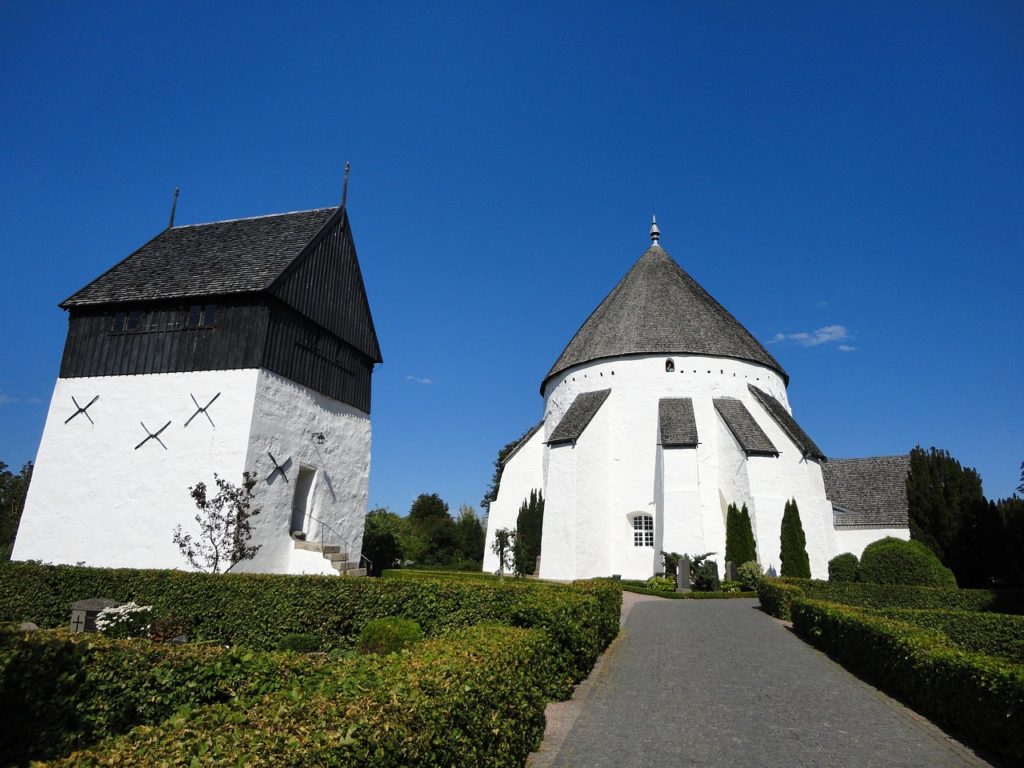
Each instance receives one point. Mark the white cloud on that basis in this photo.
(826, 335)
(846, 348)
(419, 379)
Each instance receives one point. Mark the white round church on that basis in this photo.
(661, 411)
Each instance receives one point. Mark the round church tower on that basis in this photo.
(661, 412)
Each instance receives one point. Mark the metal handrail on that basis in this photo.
(346, 542)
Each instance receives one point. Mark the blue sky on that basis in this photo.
(846, 178)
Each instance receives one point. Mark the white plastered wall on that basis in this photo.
(855, 539)
(288, 421)
(96, 499)
(687, 490)
(523, 472)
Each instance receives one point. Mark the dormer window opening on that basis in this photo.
(201, 316)
(670, 365)
(118, 323)
(132, 323)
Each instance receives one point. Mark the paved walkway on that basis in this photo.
(719, 683)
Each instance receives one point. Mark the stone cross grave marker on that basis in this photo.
(84, 612)
(730, 571)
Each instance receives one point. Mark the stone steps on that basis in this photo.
(333, 554)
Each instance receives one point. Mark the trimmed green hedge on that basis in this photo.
(886, 596)
(258, 610)
(692, 595)
(60, 692)
(994, 634)
(450, 702)
(896, 561)
(977, 696)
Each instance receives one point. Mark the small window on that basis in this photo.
(195, 314)
(118, 324)
(670, 366)
(209, 315)
(134, 317)
(643, 531)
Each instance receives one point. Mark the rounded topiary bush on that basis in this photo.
(843, 567)
(894, 561)
(661, 584)
(389, 635)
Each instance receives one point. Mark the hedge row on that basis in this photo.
(258, 610)
(994, 634)
(977, 696)
(692, 595)
(775, 595)
(60, 692)
(450, 702)
(417, 573)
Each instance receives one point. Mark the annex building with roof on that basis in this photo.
(662, 411)
(223, 348)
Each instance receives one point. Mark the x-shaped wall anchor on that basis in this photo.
(279, 467)
(153, 436)
(84, 410)
(202, 409)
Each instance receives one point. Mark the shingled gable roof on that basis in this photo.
(787, 423)
(657, 308)
(224, 257)
(752, 439)
(676, 422)
(869, 492)
(578, 416)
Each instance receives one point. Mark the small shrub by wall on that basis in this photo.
(843, 567)
(895, 561)
(978, 697)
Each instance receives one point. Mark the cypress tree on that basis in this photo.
(749, 549)
(529, 527)
(795, 561)
(733, 536)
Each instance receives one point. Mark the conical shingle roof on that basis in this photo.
(657, 308)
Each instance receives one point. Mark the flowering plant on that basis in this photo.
(128, 620)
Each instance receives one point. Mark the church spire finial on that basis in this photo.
(655, 233)
(344, 186)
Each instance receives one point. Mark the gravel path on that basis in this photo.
(719, 683)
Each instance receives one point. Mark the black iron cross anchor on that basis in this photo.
(82, 410)
(78, 623)
(278, 467)
(202, 409)
(153, 436)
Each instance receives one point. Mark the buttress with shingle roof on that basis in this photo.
(659, 413)
(236, 346)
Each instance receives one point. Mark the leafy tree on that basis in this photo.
(224, 527)
(430, 539)
(13, 489)
(504, 541)
(470, 535)
(382, 534)
(529, 525)
(499, 466)
(795, 561)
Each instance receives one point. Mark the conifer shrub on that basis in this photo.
(895, 561)
(384, 636)
(843, 567)
(750, 574)
(795, 561)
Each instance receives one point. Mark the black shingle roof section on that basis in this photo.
(224, 257)
(869, 492)
(676, 422)
(787, 423)
(578, 416)
(752, 439)
(657, 308)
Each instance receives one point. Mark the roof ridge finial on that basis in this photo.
(344, 185)
(174, 207)
(655, 232)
